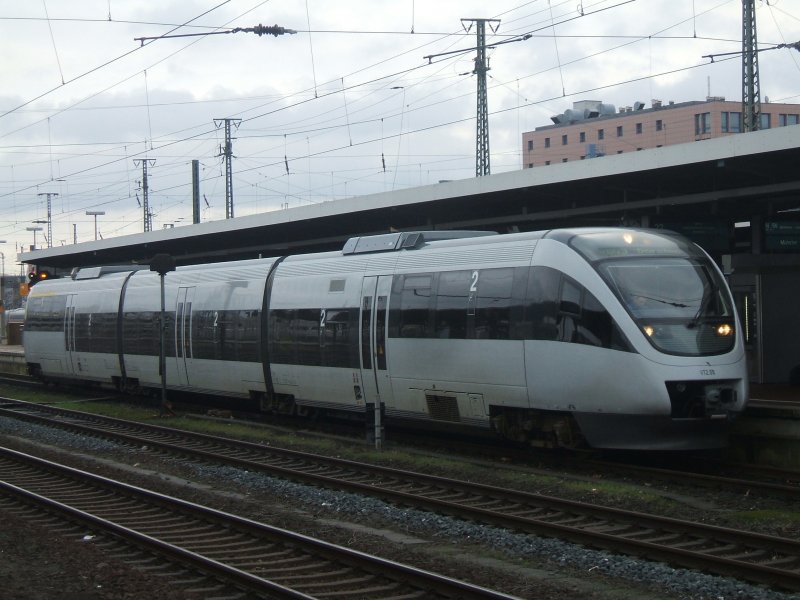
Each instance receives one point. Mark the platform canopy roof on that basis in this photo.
(731, 179)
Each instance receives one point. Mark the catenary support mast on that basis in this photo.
(751, 94)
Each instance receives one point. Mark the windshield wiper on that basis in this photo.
(675, 304)
(703, 306)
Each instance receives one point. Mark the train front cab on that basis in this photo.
(688, 377)
(71, 327)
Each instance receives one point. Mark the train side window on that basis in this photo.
(141, 334)
(46, 313)
(452, 293)
(570, 297)
(493, 311)
(203, 331)
(226, 326)
(339, 338)
(306, 336)
(595, 326)
(410, 314)
(598, 328)
(541, 309)
(247, 332)
(281, 347)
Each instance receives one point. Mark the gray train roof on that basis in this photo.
(738, 177)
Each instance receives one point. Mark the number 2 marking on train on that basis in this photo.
(473, 286)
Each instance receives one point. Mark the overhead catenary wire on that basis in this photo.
(100, 66)
(352, 123)
(53, 39)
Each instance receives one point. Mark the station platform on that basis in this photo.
(12, 360)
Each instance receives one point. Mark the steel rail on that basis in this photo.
(736, 553)
(105, 504)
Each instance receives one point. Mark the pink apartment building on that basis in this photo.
(592, 129)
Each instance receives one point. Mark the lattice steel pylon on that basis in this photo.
(482, 162)
(751, 94)
(148, 216)
(227, 152)
(50, 196)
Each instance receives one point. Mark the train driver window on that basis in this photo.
(569, 310)
(542, 303)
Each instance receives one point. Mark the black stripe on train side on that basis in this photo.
(120, 353)
(265, 357)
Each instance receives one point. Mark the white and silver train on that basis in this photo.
(612, 338)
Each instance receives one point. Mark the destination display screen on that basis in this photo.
(601, 245)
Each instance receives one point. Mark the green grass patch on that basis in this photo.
(766, 516)
(598, 490)
(35, 394)
(234, 429)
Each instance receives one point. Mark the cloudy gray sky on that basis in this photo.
(349, 105)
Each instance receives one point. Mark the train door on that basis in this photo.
(72, 365)
(183, 333)
(375, 378)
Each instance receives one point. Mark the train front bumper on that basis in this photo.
(655, 432)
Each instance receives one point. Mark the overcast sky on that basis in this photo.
(349, 105)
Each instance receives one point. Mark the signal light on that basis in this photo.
(37, 276)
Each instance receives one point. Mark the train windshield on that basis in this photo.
(669, 287)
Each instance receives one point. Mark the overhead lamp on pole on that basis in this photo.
(95, 214)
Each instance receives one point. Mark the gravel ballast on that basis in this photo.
(329, 505)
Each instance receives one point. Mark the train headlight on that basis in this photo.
(724, 330)
(648, 329)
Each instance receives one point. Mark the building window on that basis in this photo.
(530, 145)
(601, 134)
(564, 159)
(530, 165)
(766, 121)
(639, 149)
(702, 123)
(784, 120)
(546, 142)
(583, 157)
(547, 162)
(638, 128)
(564, 140)
(659, 125)
(582, 136)
(731, 122)
(619, 130)
(619, 151)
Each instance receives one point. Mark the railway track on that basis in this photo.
(260, 559)
(729, 552)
